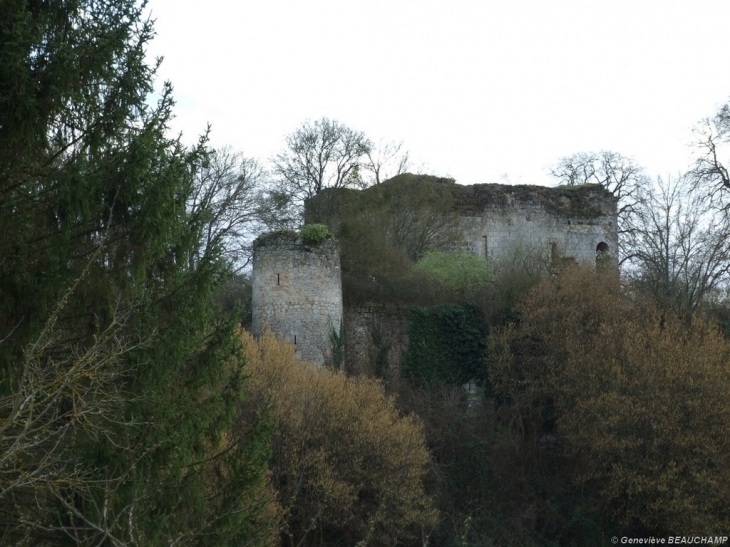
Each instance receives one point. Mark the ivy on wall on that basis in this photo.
(446, 344)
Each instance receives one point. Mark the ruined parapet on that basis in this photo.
(578, 222)
(297, 292)
(566, 222)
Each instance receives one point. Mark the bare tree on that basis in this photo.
(709, 171)
(615, 172)
(680, 251)
(225, 200)
(619, 174)
(64, 391)
(320, 154)
(386, 160)
(421, 217)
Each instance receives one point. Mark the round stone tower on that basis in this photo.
(297, 293)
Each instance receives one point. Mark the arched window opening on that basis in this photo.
(602, 252)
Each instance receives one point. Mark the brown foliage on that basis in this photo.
(348, 467)
(639, 400)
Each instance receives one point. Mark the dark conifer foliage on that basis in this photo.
(119, 378)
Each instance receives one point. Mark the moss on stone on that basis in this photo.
(574, 201)
(585, 201)
(276, 235)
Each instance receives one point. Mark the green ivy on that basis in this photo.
(447, 344)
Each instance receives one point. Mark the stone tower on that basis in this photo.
(297, 292)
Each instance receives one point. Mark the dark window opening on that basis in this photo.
(601, 252)
(486, 248)
(277, 279)
(295, 339)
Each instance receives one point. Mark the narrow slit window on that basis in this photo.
(295, 339)
(277, 279)
(486, 247)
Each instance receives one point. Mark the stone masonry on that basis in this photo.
(297, 292)
(577, 223)
(377, 338)
(297, 288)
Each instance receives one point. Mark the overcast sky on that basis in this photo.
(478, 90)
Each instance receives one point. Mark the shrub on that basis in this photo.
(314, 233)
(348, 468)
(461, 272)
(637, 399)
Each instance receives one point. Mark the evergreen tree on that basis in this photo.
(119, 379)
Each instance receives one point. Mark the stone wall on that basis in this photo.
(376, 339)
(297, 288)
(555, 222)
(297, 292)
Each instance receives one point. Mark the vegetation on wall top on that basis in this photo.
(310, 234)
(585, 201)
(314, 233)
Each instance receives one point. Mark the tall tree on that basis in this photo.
(226, 194)
(710, 171)
(349, 469)
(320, 154)
(633, 398)
(385, 161)
(119, 379)
(679, 247)
(618, 174)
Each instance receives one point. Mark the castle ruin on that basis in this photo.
(297, 288)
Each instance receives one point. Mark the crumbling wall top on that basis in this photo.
(586, 201)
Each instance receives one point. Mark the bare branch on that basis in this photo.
(680, 247)
(226, 204)
(318, 155)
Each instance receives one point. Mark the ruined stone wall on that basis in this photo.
(376, 339)
(297, 292)
(572, 223)
(297, 288)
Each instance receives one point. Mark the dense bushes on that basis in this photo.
(607, 417)
(489, 481)
(348, 469)
(384, 230)
(635, 398)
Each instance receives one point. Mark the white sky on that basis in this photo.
(476, 89)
